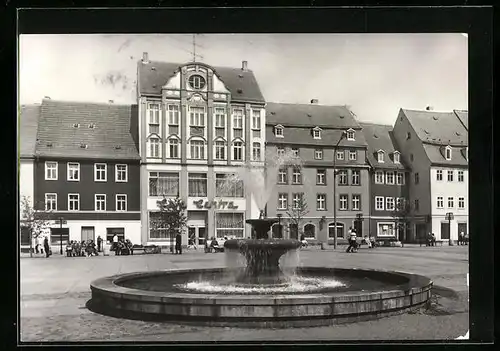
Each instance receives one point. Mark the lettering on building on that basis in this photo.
(218, 205)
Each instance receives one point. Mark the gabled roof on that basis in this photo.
(437, 127)
(380, 137)
(463, 116)
(112, 137)
(28, 126)
(242, 84)
(435, 154)
(309, 115)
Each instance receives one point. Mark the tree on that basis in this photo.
(296, 212)
(402, 215)
(173, 217)
(35, 219)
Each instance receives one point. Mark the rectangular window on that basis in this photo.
(389, 204)
(343, 199)
(100, 202)
(342, 177)
(220, 117)
(220, 150)
(154, 118)
(296, 176)
(154, 147)
(320, 177)
(321, 202)
(356, 177)
(440, 202)
(50, 170)
(450, 176)
(157, 229)
(450, 202)
(340, 155)
(282, 201)
(228, 185)
(385, 229)
(73, 202)
(318, 154)
(380, 157)
(229, 225)
(238, 119)
(197, 149)
(238, 151)
(400, 178)
(173, 148)
(283, 176)
(100, 172)
(417, 204)
(163, 183)
(173, 114)
(73, 171)
(439, 174)
(278, 132)
(50, 202)
(280, 151)
(256, 119)
(400, 203)
(196, 116)
(296, 197)
(317, 134)
(461, 202)
(356, 202)
(197, 184)
(379, 177)
(417, 178)
(353, 155)
(460, 176)
(379, 203)
(389, 178)
(121, 202)
(256, 151)
(121, 173)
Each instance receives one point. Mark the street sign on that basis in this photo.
(449, 216)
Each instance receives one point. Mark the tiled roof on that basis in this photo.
(242, 84)
(28, 125)
(112, 137)
(437, 127)
(436, 155)
(303, 136)
(464, 117)
(310, 115)
(380, 137)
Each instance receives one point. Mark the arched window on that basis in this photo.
(256, 151)
(238, 151)
(340, 230)
(220, 149)
(310, 231)
(277, 231)
(173, 148)
(197, 149)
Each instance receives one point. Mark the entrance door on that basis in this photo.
(294, 231)
(421, 232)
(202, 231)
(88, 233)
(358, 227)
(462, 227)
(445, 231)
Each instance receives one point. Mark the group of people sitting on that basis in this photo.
(122, 247)
(212, 245)
(81, 248)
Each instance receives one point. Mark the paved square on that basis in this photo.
(54, 292)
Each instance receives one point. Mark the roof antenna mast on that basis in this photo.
(195, 55)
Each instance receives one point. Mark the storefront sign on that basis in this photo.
(218, 205)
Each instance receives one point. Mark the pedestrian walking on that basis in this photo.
(352, 241)
(99, 243)
(46, 247)
(115, 243)
(178, 244)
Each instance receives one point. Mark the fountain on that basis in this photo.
(260, 293)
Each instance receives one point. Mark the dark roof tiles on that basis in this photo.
(380, 137)
(28, 126)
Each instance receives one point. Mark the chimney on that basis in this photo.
(314, 101)
(46, 97)
(111, 101)
(145, 57)
(244, 65)
(429, 108)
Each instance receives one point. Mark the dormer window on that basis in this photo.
(447, 153)
(350, 134)
(396, 155)
(316, 133)
(278, 131)
(76, 125)
(380, 156)
(91, 126)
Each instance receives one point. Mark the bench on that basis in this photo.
(148, 249)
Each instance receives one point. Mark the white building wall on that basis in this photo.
(26, 180)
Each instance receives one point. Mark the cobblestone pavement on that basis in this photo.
(54, 292)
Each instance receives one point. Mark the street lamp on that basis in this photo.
(60, 235)
(279, 215)
(342, 136)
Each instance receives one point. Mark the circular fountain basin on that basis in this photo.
(204, 296)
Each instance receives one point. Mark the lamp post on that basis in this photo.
(60, 235)
(335, 188)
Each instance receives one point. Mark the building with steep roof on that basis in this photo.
(87, 170)
(434, 145)
(312, 131)
(197, 125)
(388, 183)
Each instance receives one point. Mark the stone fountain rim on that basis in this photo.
(107, 285)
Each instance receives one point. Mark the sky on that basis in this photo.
(375, 74)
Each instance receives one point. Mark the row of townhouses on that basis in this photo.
(101, 168)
